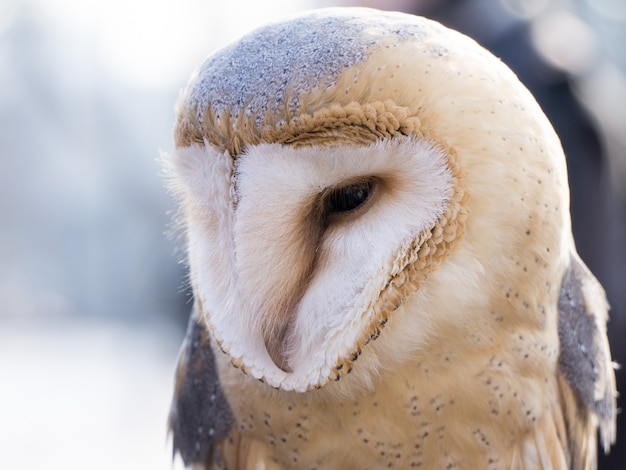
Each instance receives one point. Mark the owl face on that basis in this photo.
(303, 243)
(346, 168)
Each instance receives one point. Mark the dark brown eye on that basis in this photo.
(348, 198)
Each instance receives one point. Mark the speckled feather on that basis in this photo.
(585, 359)
(200, 415)
(467, 335)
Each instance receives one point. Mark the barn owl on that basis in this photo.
(384, 276)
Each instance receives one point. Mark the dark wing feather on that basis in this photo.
(200, 417)
(585, 359)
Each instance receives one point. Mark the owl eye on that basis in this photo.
(348, 198)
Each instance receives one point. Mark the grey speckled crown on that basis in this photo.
(271, 67)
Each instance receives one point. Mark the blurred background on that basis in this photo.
(92, 304)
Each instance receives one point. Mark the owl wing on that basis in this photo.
(200, 419)
(586, 373)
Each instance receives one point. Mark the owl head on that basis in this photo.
(350, 175)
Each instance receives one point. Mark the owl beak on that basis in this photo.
(275, 344)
